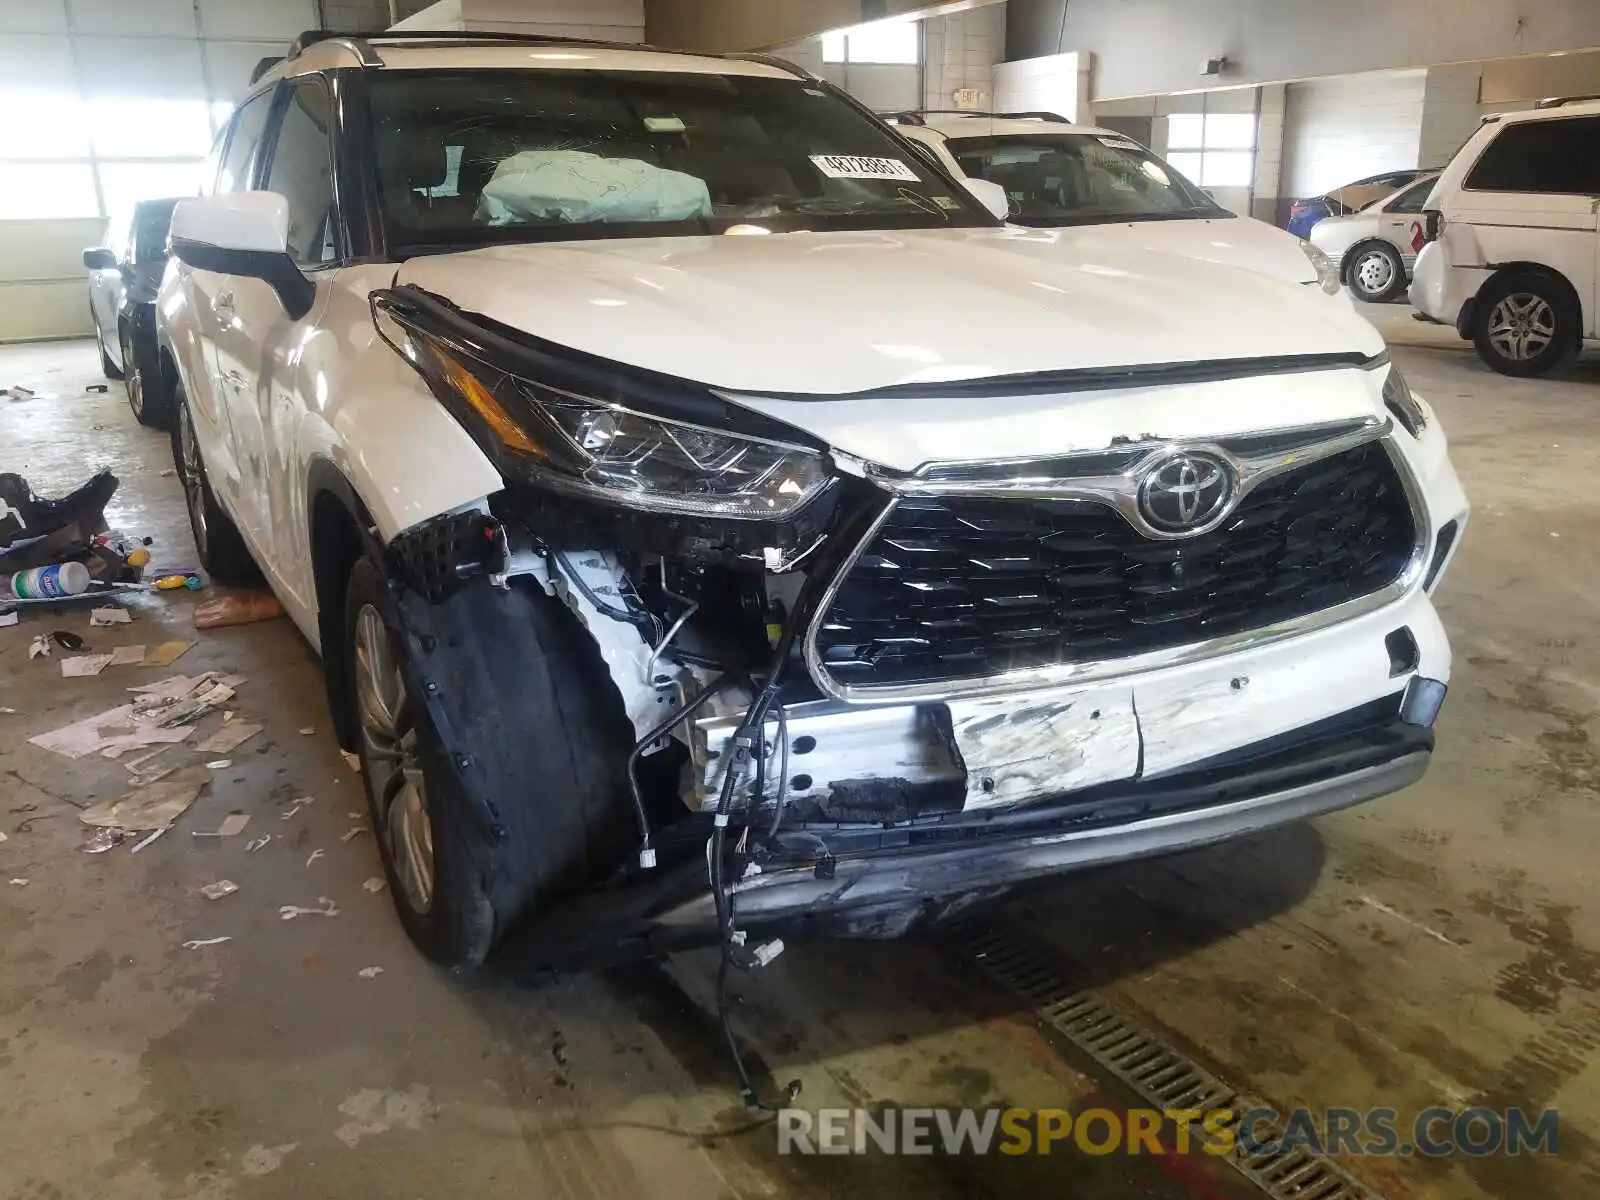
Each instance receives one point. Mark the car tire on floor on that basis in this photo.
(514, 672)
(148, 403)
(221, 546)
(1526, 324)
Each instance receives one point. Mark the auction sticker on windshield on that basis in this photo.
(850, 166)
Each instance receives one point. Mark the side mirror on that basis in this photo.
(242, 233)
(991, 195)
(100, 259)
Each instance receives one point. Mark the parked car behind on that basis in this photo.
(710, 516)
(1377, 247)
(1304, 215)
(1513, 260)
(124, 276)
(1060, 176)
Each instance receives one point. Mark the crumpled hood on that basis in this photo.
(830, 313)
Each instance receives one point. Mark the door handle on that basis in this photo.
(223, 304)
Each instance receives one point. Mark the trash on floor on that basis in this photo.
(18, 392)
(182, 699)
(84, 665)
(241, 608)
(167, 653)
(67, 640)
(153, 836)
(101, 618)
(127, 656)
(48, 548)
(325, 908)
(370, 972)
(315, 854)
(104, 839)
(295, 807)
(202, 943)
(39, 647)
(9, 618)
(219, 889)
(148, 807)
(228, 738)
(307, 730)
(97, 389)
(156, 716)
(375, 885)
(173, 583)
(20, 882)
(255, 844)
(351, 834)
(351, 760)
(219, 764)
(232, 825)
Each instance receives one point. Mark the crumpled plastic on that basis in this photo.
(35, 532)
(574, 186)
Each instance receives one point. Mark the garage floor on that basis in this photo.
(1436, 947)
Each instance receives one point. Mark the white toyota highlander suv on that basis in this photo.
(712, 518)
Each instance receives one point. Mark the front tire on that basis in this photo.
(145, 397)
(221, 546)
(538, 739)
(1526, 324)
(1377, 274)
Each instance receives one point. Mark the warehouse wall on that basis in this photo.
(1146, 47)
(608, 20)
(959, 52)
(1339, 130)
(103, 102)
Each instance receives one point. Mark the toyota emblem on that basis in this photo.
(1186, 492)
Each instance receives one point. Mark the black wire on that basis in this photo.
(655, 735)
(637, 620)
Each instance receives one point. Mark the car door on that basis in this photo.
(1400, 221)
(105, 287)
(209, 301)
(259, 346)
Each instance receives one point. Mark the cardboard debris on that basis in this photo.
(100, 618)
(128, 656)
(219, 889)
(148, 807)
(150, 720)
(167, 653)
(84, 665)
(228, 738)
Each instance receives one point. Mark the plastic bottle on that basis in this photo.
(61, 579)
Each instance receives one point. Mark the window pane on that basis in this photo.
(301, 172)
(885, 42)
(42, 124)
(238, 165)
(1227, 168)
(1561, 156)
(833, 47)
(1186, 132)
(135, 127)
(1412, 199)
(53, 190)
(1230, 131)
(127, 182)
(1186, 164)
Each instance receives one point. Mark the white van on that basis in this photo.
(1513, 227)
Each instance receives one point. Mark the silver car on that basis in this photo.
(1377, 247)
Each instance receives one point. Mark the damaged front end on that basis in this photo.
(865, 698)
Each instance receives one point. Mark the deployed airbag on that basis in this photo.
(575, 186)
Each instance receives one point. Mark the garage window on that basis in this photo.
(1561, 156)
(891, 42)
(1213, 149)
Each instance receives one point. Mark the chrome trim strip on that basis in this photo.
(1097, 669)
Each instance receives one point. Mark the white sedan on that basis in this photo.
(1377, 247)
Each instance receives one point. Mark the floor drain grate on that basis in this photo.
(1162, 1075)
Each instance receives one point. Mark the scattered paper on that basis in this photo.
(84, 665)
(145, 841)
(351, 760)
(39, 647)
(228, 738)
(232, 825)
(111, 734)
(104, 839)
(19, 883)
(219, 764)
(127, 656)
(308, 731)
(110, 615)
(370, 972)
(219, 889)
(9, 618)
(202, 943)
(375, 885)
(326, 908)
(256, 843)
(302, 802)
(8, 712)
(149, 807)
(353, 833)
(167, 653)
(315, 854)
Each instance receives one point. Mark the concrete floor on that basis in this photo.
(1432, 948)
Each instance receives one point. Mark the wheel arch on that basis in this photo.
(340, 534)
(1504, 270)
(1350, 255)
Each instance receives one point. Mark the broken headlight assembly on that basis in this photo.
(1405, 407)
(600, 449)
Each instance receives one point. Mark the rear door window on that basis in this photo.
(1556, 156)
(301, 171)
(244, 144)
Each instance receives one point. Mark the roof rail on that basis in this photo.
(770, 60)
(917, 116)
(1559, 101)
(361, 44)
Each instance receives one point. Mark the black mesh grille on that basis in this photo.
(957, 588)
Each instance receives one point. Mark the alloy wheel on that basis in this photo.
(192, 475)
(1522, 326)
(391, 759)
(132, 378)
